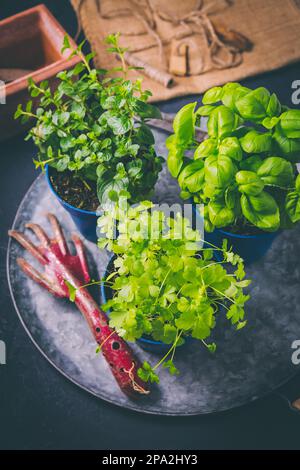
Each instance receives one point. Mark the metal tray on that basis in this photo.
(248, 364)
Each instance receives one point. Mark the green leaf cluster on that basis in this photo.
(165, 284)
(95, 126)
(244, 172)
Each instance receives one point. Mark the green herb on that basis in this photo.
(244, 172)
(165, 284)
(71, 289)
(95, 127)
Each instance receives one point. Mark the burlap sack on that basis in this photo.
(273, 26)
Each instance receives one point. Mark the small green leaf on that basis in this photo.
(241, 325)
(146, 110)
(19, 112)
(269, 123)
(120, 125)
(66, 44)
(184, 124)
(292, 205)
(204, 110)
(191, 177)
(290, 123)
(213, 95)
(212, 347)
(147, 374)
(222, 122)
(220, 215)
(171, 367)
(72, 290)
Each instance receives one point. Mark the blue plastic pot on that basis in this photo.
(148, 344)
(85, 221)
(250, 247)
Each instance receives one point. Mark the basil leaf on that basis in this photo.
(211, 191)
(249, 183)
(231, 93)
(261, 210)
(219, 170)
(206, 148)
(276, 171)
(292, 205)
(219, 214)
(184, 124)
(270, 122)
(274, 106)
(290, 148)
(253, 105)
(208, 226)
(192, 176)
(213, 95)
(297, 183)
(175, 155)
(256, 142)
(230, 146)
(221, 122)
(290, 123)
(251, 163)
(205, 110)
(280, 197)
(232, 200)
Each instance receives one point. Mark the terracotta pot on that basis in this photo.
(31, 43)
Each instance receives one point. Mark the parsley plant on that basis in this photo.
(166, 285)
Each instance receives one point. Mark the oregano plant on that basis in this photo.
(94, 126)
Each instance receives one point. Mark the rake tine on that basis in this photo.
(81, 255)
(39, 278)
(40, 233)
(28, 245)
(58, 234)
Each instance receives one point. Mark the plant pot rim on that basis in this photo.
(62, 201)
(238, 235)
(263, 234)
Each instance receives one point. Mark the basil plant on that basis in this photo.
(245, 172)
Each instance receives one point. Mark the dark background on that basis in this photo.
(40, 409)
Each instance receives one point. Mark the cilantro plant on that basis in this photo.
(95, 127)
(165, 284)
(245, 172)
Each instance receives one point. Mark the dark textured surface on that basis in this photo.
(40, 409)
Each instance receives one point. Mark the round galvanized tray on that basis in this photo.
(247, 364)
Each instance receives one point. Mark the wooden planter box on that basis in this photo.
(30, 41)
